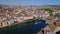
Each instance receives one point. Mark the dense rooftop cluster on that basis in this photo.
(10, 16)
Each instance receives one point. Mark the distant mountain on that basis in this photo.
(1, 6)
(4, 6)
(44, 6)
(51, 5)
(36, 6)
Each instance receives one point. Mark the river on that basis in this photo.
(33, 27)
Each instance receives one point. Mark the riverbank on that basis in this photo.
(32, 26)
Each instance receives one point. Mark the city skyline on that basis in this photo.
(29, 2)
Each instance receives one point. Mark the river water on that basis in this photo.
(28, 29)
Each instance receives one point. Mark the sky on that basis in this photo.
(29, 2)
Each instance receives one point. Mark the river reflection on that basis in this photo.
(28, 29)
